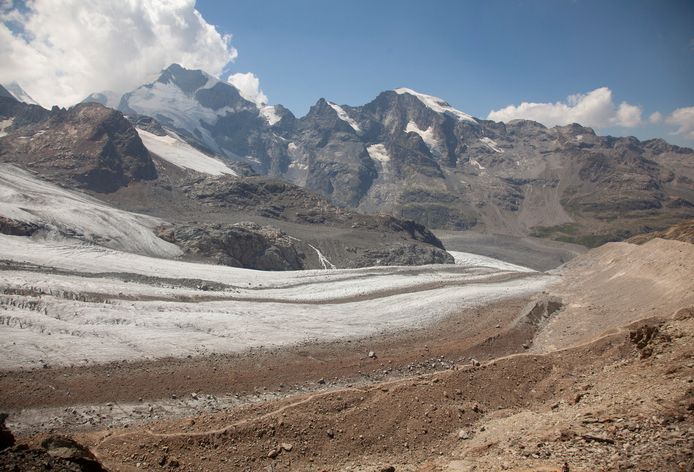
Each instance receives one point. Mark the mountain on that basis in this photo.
(93, 177)
(213, 114)
(413, 156)
(16, 91)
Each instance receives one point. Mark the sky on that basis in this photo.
(622, 67)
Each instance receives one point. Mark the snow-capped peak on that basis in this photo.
(18, 92)
(436, 104)
(342, 114)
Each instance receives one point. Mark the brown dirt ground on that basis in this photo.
(520, 412)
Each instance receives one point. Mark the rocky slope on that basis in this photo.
(680, 232)
(412, 155)
(87, 146)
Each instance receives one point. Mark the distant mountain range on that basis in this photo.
(414, 156)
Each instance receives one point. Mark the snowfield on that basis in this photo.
(175, 150)
(62, 212)
(70, 303)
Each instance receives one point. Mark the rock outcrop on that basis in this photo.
(89, 146)
(243, 244)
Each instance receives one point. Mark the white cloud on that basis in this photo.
(628, 116)
(595, 108)
(684, 118)
(655, 118)
(249, 87)
(62, 50)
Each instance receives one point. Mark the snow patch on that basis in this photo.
(378, 152)
(491, 144)
(342, 114)
(437, 104)
(173, 149)
(298, 165)
(426, 135)
(475, 163)
(4, 124)
(270, 114)
(323, 260)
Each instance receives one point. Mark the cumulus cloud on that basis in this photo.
(249, 87)
(655, 118)
(595, 108)
(628, 116)
(62, 50)
(684, 119)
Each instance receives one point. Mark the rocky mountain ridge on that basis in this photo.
(414, 156)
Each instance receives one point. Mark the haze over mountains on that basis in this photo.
(413, 156)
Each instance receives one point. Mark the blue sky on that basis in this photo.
(478, 55)
(624, 67)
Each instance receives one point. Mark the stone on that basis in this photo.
(274, 452)
(463, 434)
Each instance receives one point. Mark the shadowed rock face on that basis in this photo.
(244, 244)
(89, 145)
